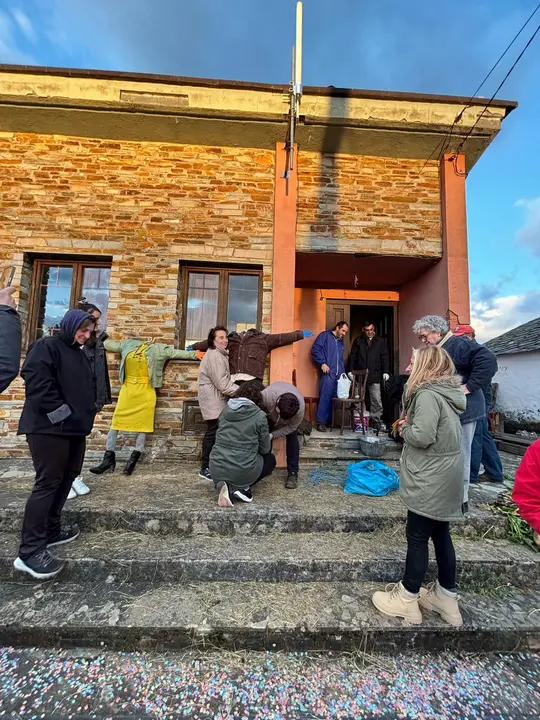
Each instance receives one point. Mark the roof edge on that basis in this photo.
(329, 91)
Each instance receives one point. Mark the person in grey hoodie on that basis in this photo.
(241, 456)
(430, 486)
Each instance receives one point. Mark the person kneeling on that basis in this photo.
(242, 453)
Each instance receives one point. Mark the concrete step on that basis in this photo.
(167, 498)
(254, 615)
(306, 557)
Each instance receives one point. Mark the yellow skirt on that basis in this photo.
(136, 407)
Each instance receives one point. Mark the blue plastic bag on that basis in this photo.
(370, 477)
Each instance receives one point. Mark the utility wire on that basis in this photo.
(444, 143)
(497, 90)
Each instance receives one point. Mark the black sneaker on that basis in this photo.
(204, 473)
(41, 566)
(64, 536)
(291, 483)
(321, 427)
(243, 494)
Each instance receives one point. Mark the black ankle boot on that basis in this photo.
(108, 464)
(132, 461)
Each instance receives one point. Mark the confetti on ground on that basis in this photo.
(46, 685)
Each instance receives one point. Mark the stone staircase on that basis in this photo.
(160, 566)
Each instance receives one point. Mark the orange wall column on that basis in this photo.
(445, 286)
(454, 232)
(284, 263)
(283, 272)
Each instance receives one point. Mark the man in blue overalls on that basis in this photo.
(327, 352)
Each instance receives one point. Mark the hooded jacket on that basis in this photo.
(242, 439)
(271, 395)
(59, 384)
(431, 476)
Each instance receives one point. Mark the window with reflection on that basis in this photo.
(218, 296)
(59, 286)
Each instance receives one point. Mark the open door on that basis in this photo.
(337, 311)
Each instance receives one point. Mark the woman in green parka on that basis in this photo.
(431, 486)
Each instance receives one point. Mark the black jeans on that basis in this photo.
(419, 531)
(292, 447)
(292, 444)
(269, 463)
(209, 441)
(57, 461)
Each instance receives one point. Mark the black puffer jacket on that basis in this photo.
(60, 396)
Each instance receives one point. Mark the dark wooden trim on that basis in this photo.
(38, 263)
(224, 271)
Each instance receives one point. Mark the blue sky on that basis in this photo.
(420, 45)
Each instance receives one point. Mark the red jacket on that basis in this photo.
(526, 492)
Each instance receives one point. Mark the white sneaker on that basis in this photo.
(72, 494)
(79, 487)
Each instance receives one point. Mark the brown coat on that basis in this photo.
(214, 383)
(248, 350)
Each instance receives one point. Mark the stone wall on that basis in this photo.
(150, 207)
(378, 205)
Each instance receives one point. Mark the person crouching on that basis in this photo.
(58, 414)
(241, 456)
(431, 487)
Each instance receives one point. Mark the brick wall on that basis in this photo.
(368, 204)
(149, 206)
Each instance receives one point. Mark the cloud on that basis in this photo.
(10, 51)
(25, 24)
(529, 234)
(493, 317)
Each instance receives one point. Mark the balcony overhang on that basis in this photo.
(123, 106)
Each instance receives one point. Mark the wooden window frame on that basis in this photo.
(224, 271)
(76, 284)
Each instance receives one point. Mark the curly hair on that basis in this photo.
(431, 323)
(250, 391)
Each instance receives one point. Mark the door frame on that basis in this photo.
(385, 303)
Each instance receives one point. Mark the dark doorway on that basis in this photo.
(383, 315)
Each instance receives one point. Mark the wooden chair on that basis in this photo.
(311, 403)
(357, 396)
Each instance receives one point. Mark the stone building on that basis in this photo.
(162, 199)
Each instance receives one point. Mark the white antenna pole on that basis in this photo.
(298, 49)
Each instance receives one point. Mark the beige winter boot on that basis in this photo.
(435, 598)
(536, 538)
(397, 602)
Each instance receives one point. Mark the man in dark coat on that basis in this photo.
(370, 353)
(10, 338)
(58, 414)
(484, 451)
(327, 354)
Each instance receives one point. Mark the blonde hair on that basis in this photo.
(430, 363)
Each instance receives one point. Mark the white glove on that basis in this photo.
(386, 377)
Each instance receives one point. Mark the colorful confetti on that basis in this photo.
(45, 685)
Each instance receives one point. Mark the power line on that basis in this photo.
(535, 33)
(447, 138)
